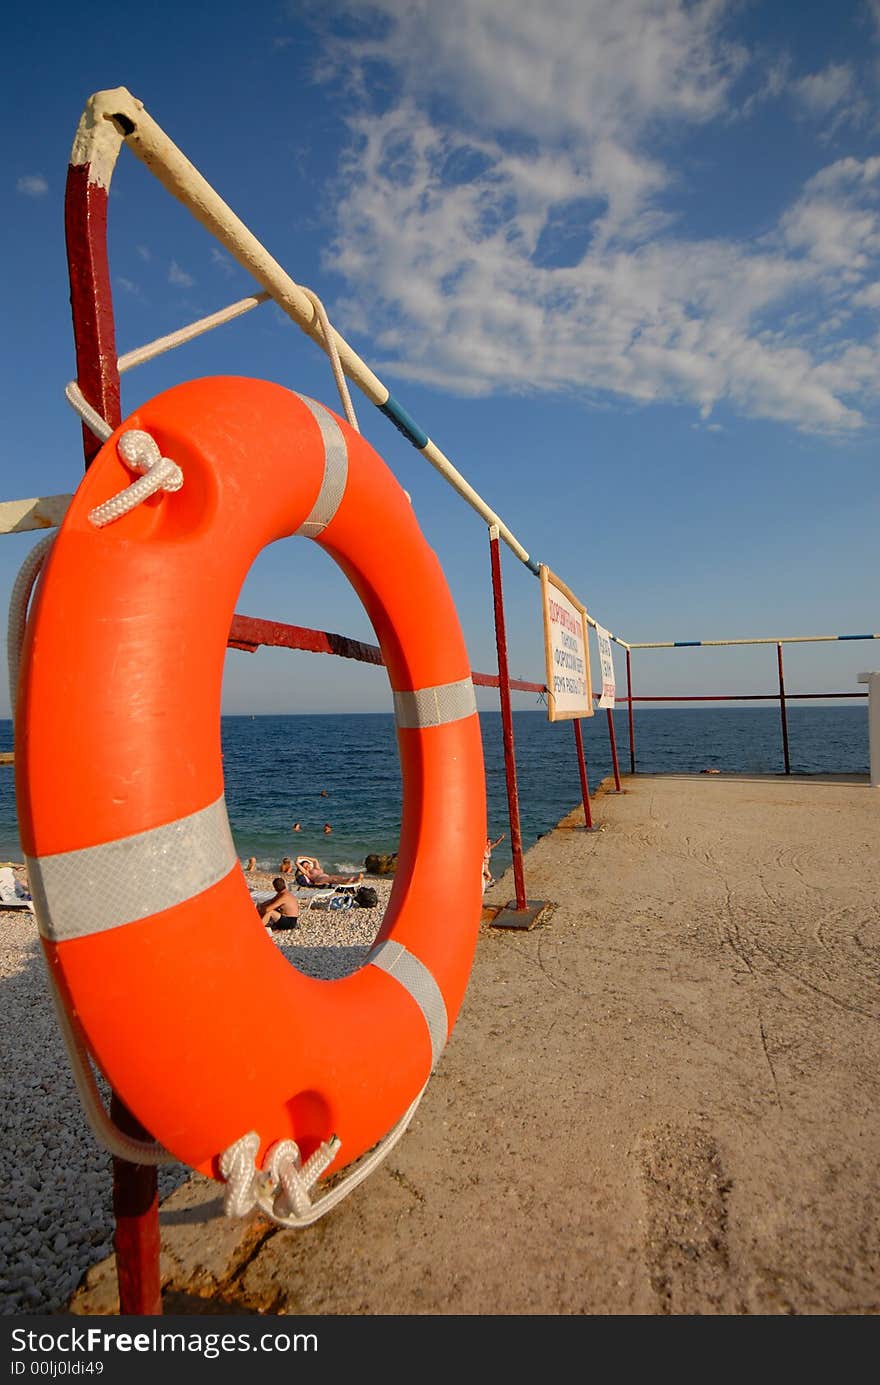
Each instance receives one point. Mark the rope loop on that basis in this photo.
(141, 453)
(328, 341)
(283, 1189)
(238, 1167)
(285, 1167)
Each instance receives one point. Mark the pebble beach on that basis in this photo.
(56, 1215)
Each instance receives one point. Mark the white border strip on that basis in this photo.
(78, 893)
(414, 976)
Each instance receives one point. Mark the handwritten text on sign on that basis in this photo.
(603, 639)
(567, 653)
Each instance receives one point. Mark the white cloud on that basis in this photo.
(562, 66)
(178, 276)
(32, 185)
(773, 81)
(836, 220)
(822, 91)
(505, 223)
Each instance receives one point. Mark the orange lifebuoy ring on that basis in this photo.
(200, 1024)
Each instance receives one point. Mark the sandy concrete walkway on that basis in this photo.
(662, 1100)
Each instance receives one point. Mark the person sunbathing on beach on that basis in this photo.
(286, 866)
(309, 872)
(282, 911)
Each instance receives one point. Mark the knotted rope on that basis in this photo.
(282, 1189)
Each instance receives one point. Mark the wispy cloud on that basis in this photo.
(222, 262)
(507, 219)
(32, 185)
(833, 95)
(179, 276)
(821, 91)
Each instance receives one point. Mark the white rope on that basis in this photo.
(104, 1128)
(142, 354)
(106, 1131)
(90, 417)
(282, 1190)
(18, 606)
(330, 346)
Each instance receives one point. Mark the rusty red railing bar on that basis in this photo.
(507, 720)
(613, 743)
(582, 771)
(135, 1186)
(248, 633)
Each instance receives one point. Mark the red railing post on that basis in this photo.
(135, 1186)
(507, 719)
(136, 1239)
(782, 710)
(613, 741)
(582, 770)
(629, 698)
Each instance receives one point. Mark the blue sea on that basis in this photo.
(343, 769)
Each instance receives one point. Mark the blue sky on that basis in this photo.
(619, 259)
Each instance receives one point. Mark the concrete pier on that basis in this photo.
(660, 1100)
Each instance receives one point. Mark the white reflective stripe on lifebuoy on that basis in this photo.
(335, 470)
(414, 976)
(435, 706)
(108, 886)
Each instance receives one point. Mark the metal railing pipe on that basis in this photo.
(782, 710)
(613, 743)
(582, 771)
(507, 721)
(629, 699)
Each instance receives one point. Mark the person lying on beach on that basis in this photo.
(309, 872)
(283, 910)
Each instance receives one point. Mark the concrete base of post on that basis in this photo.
(536, 911)
(873, 681)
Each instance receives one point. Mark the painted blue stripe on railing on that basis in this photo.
(686, 644)
(403, 422)
(533, 566)
(855, 637)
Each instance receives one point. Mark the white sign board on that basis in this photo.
(569, 689)
(606, 662)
